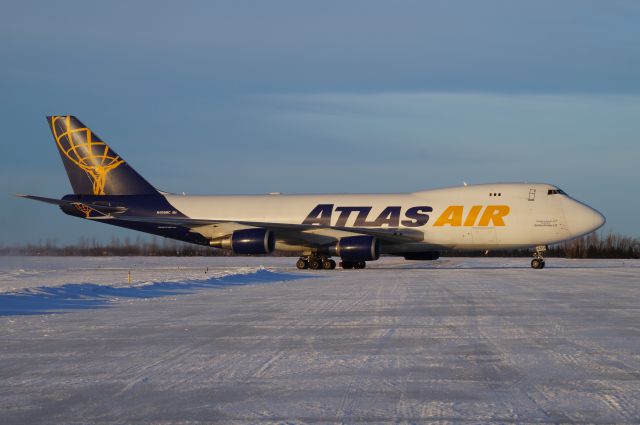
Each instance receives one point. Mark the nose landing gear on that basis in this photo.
(537, 263)
(538, 260)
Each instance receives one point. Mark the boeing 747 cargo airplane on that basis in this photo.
(356, 228)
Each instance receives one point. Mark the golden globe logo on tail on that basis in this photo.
(93, 156)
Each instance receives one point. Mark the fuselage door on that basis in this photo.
(532, 194)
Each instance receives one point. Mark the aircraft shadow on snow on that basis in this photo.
(80, 296)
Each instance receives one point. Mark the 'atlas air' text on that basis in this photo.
(454, 216)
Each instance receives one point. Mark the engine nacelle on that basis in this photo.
(247, 241)
(357, 248)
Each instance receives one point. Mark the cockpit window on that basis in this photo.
(556, 192)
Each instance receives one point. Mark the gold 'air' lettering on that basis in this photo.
(494, 214)
(452, 216)
(473, 215)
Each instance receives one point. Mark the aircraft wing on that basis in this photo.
(390, 235)
(303, 234)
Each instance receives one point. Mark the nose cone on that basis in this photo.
(583, 219)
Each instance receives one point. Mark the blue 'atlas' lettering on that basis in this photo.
(321, 215)
(418, 216)
(345, 212)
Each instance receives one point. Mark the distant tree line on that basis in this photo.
(116, 247)
(594, 245)
(139, 246)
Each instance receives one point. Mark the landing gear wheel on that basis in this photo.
(360, 265)
(537, 263)
(328, 264)
(315, 264)
(346, 265)
(538, 260)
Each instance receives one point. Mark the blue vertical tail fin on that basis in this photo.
(92, 166)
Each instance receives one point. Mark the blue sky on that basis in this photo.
(362, 96)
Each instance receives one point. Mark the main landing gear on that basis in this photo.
(538, 261)
(353, 264)
(316, 262)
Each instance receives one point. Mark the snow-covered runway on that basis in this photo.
(253, 340)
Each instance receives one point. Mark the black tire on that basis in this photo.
(346, 265)
(326, 264)
(360, 265)
(537, 263)
(315, 264)
(543, 264)
(333, 264)
(302, 264)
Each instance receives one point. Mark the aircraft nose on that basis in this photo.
(584, 219)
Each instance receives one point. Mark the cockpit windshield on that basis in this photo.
(556, 192)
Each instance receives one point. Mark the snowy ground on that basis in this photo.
(452, 341)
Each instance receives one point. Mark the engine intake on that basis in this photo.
(247, 241)
(357, 248)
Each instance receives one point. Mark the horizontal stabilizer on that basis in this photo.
(102, 209)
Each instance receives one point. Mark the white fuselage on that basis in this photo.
(488, 216)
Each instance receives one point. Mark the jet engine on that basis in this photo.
(357, 248)
(247, 241)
